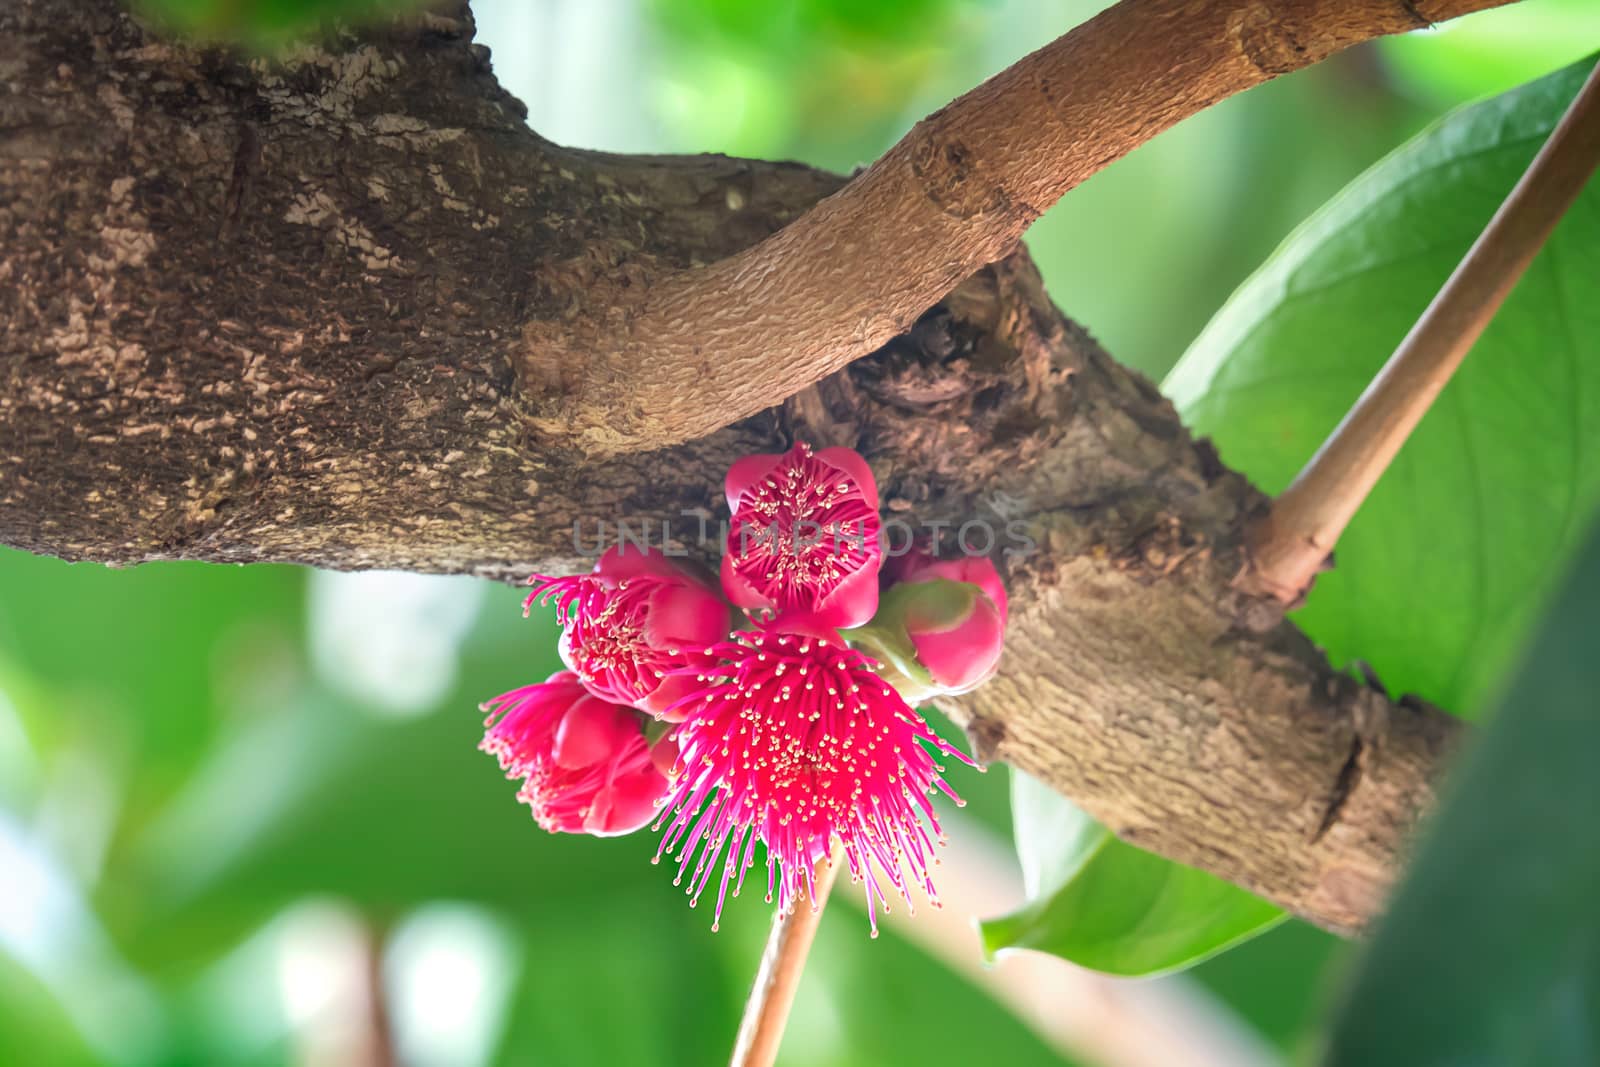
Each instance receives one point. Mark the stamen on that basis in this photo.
(800, 766)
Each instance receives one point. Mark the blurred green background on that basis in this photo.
(235, 801)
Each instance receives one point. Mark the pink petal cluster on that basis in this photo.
(796, 742)
(584, 763)
(631, 624)
(804, 535)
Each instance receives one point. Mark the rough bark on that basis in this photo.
(275, 312)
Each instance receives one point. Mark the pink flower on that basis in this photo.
(585, 765)
(954, 612)
(795, 741)
(804, 535)
(632, 623)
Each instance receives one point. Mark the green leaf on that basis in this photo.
(1105, 904)
(1447, 564)
(265, 23)
(1490, 953)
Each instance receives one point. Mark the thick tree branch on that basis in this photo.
(701, 347)
(254, 312)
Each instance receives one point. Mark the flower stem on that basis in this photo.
(767, 1010)
(1291, 544)
(379, 1022)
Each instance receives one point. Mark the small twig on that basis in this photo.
(1291, 544)
(767, 1011)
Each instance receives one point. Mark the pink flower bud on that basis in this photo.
(629, 802)
(956, 629)
(975, 569)
(632, 622)
(584, 762)
(591, 730)
(941, 628)
(804, 535)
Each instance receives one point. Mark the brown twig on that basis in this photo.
(1291, 544)
(767, 1011)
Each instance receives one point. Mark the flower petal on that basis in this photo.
(852, 602)
(593, 731)
(686, 616)
(737, 588)
(747, 472)
(852, 464)
(627, 804)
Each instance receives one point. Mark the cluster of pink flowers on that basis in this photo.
(788, 721)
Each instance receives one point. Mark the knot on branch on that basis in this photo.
(954, 177)
(1271, 41)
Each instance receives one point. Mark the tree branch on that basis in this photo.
(254, 313)
(686, 355)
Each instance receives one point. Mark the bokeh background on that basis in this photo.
(242, 817)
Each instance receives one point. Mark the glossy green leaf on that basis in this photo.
(1449, 560)
(1490, 953)
(1105, 904)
